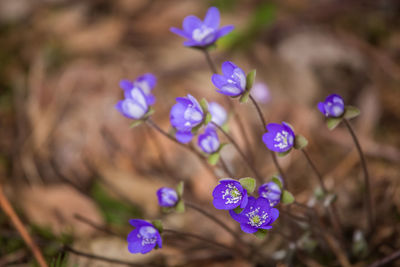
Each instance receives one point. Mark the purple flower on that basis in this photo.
(279, 138)
(202, 33)
(218, 113)
(270, 191)
(143, 238)
(146, 83)
(258, 214)
(167, 197)
(229, 194)
(232, 82)
(260, 92)
(134, 106)
(185, 115)
(333, 106)
(208, 141)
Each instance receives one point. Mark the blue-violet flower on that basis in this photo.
(134, 106)
(229, 194)
(167, 197)
(208, 141)
(279, 138)
(143, 238)
(185, 115)
(145, 82)
(270, 191)
(333, 106)
(258, 214)
(218, 113)
(232, 82)
(202, 33)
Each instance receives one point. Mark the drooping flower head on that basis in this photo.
(208, 141)
(258, 214)
(218, 113)
(270, 191)
(184, 116)
(229, 194)
(144, 237)
(167, 197)
(134, 106)
(260, 92)
(202, 33)
(232, 82)
(279, 138)
(333, 106)
(145, 82)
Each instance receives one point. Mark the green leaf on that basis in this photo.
(300, 142)
(277, 181)
(136, 123)
(287, 197)
(282, 154)
(261, 233)
(351, 112)
(208, 118)
(248, 183)
(244, 97)
(238, 210)
(204, 105)
(158, 225)
(250, 78)
(331, 123)
(179, 188)
(180, 206)
(213, 158)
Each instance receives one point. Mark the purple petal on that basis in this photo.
(147, 248)
(245, 200)
(126, 84)
(237, 216)
(266, 227)
(150, 99)
(218, 80)
(227, 68)
(274, 215)
(191, 43)
(274, 127)
(184, 137)
(191, 23)
(224, 30)
(135, 247)
(268, 139)
(212, 18)
(180, 32)
(159, 241)
(321, 107)
(139, 223)
(248, 228)
(132, 236)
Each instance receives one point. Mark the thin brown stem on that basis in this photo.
(259, 111)
(387, 260)
(368, 194)
(9, 211)
(95, 225)
(226, 168)
(210, 63)
(239, 150)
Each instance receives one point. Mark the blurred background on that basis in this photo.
(65, 150)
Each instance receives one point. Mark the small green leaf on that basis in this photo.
(277, 181)
(179, 188)
(196, 129)
(213, 158)
(149, 112)
(244, 97)
(331, 123)
(208, 118)
(248, 183)
(158, 225)
(238, 210)
(351, 112)
(135, 123)
(261, 233)
(204, 105)
(287, 197)
(319, 193)
(300, 142)
(250, 78)
(282, 154)
(221, 146)
(180, 206)
(225, 127)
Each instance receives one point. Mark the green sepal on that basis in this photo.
(208, 118)
(158, 225)
(196, 129)
(167, 209)
(221, 146)
(244, 97)
(250, 78)
(282, 154)
(319, 193)
(149, 112)
(261, 233)
(225, 127)
(204, 105)
(136, 123)
(287, 197)
(300, 142)
(179, 189)
(332, 123)
(277, 181)
(248, 183)
(213, 158)
(238, 210)
(180, 206)
(329, 199)
(351, 112)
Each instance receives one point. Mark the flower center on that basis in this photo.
(231, 194)
(255, 218)
(283, 140)
(147, 234)
(202, 34)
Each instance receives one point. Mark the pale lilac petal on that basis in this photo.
(212, 18)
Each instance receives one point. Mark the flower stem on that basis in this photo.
(211, 64)
(273, 155)
(368, 194)
(239, 150)
(190, 148)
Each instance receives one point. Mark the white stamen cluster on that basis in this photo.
(231, 194)
(283, 139)
(255, 218)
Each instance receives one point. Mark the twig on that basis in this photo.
(8, 209)
(385, 261)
